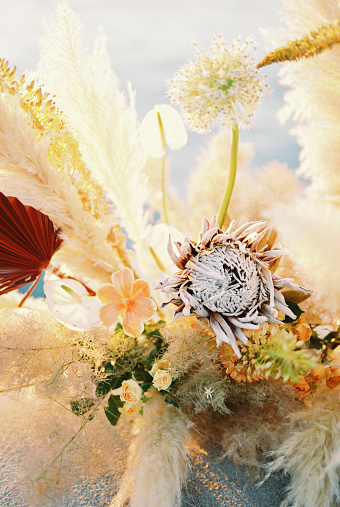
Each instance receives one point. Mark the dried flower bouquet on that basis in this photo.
(253, 351)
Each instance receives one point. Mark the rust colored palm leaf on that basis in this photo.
(28, 240)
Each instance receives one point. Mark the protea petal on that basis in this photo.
(225, 278)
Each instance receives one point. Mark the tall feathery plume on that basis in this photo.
(267, 186)
(87, 91)
(311, 233)
(313, 101)
(305, 455)
(26, 174)
(314, 98)
(158, 462)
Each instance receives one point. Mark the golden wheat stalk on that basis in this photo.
(309, 45)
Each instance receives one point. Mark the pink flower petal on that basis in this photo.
(107, 293)
(110, 313)
(144, 308)
(140, 289)
(132, 324)
(123, 282)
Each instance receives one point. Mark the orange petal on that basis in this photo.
(140, 289)
(123, 282)
(107, 293)
(110, 313)
(132, 324)
(144, 308)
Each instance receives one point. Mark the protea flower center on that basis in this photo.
(226, 278)
(227, 281)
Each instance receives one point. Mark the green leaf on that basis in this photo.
(82, 405)
(112, 411)
(115, 401)
(103, 387)
(168, 400)
(113, 414)
(295, 309)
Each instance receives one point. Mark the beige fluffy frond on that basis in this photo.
(309, 45)
(87, 91)
(158, 462)
(266, 186)
(26, 174)
(315, 435)
(310, 232)
(314, 98)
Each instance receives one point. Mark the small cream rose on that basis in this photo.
(162, 365)
(162, 379)
(131, 408)
(304, 331)
(131, 391)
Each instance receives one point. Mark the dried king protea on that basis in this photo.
(226, 278)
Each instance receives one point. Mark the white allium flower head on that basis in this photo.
(224, 84)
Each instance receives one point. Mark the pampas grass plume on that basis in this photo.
(157, 463)
(87, 91)
(306, 453)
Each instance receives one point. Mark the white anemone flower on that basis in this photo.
(70, 303)
(162, 126)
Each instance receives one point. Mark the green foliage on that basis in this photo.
(327, 343)
(135, 362)
(295, 309)
(83, 405)
(112, 410)
(274, 354)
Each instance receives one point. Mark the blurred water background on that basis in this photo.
(148, 40)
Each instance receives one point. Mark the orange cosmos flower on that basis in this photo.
(127, 300)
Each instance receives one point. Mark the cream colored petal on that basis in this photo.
(144, 308)
(176, 135)
(123, 282)
(132, 324)
(140, 289)
(150, 135)
(110, 313)
(107, 293)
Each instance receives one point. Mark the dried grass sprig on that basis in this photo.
(157, 463)
(307, 452)
(87, 91)
(26, 174)
(309, 45)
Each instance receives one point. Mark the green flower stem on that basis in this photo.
(231, 179)
(161, 129)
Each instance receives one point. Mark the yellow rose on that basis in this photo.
(162, 379)
(162, 365)
(303, 331)
(131, 391)
(130, 408)
(302, 388)
(334, 380)
(319, 373)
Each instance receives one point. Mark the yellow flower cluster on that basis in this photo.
(272, 352)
